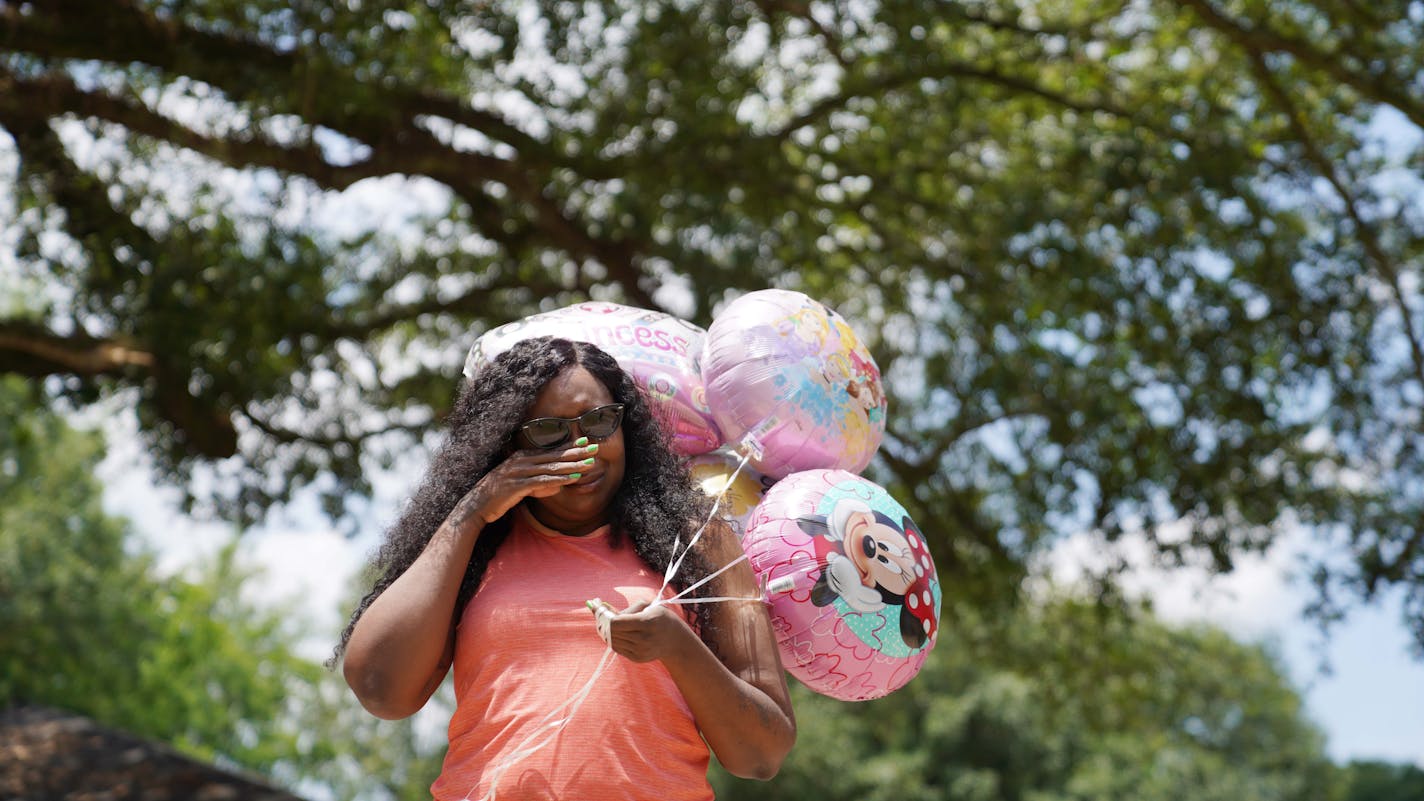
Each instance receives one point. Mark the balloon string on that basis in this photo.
(712, 599)
(704, 580)
(676, 564)
(521, 751)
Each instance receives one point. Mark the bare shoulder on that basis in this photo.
(719, 543)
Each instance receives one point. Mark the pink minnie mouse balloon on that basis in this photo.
(660, 351)
(853, 591)
(792, 373)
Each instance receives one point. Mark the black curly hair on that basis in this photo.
(656, 505)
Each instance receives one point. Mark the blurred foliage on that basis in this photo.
(1145, 267)
(1383, 781)
(89, 624)
(1066, 700)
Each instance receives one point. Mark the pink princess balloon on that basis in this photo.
(660, 351)
(853, 591)
(791, 373)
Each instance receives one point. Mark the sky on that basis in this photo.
(1369, 706)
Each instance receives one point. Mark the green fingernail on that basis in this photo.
(592, 448)
(589, 460)
(581, 441)
(575, 475)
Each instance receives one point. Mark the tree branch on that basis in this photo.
(32, 350)
(1362, 11)
(1260, 40)
(91, 218)
(959, 10)
(54, 95)
(118, 31)
(1364, 230)
(354, 439)
(479, 300)
(889, 83)
(802, 10)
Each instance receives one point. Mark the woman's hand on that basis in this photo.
(643, 633)
(530, 473)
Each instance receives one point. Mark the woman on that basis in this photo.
(556, 486)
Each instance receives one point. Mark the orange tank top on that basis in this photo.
(527, 643)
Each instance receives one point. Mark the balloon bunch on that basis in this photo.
(779, 406)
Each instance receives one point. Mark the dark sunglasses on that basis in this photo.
(551, 432)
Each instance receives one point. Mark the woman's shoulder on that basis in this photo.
(718, 538)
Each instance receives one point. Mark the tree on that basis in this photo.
(91, 628)
(88, 624)
(1124, 265)
(1066, 701)
(1382, 781)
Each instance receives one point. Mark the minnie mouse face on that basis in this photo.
(879, 551)
(867, 562)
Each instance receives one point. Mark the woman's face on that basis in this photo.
(582, 506)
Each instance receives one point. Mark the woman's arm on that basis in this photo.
(738, 695)
(403, 644)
